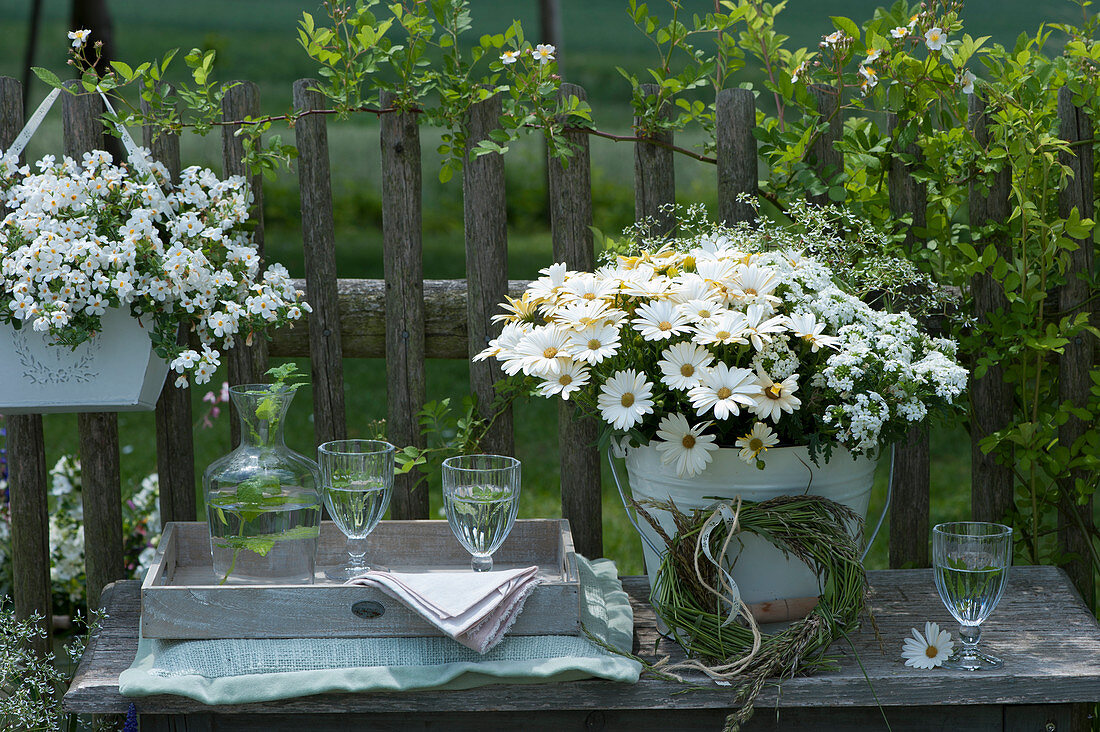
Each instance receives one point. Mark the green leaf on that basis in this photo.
(846, 25)
(47, 76)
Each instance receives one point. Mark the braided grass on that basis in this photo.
(810, 528)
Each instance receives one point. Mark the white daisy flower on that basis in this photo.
(572, 377)
(542, 350)
(758, 440)
(660, 320)
(758, 330)
(683, 363)
(684, 445)
(775, 397)
(755, 284)
(723, 390)
(553, 277)
(701, 310)
(510, 335)
(727, 328)
(581, 314)
(806, 327)
(587, 286)
(595, 343)
(929, 650)
(935, 38)
(625, 398)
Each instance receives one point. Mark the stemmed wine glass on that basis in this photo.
(357, 477)
(971, 562)
(481, 498)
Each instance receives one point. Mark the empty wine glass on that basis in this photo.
(481, 498)
(357, 477)
(971, 562)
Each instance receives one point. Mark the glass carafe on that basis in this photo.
(263, 500)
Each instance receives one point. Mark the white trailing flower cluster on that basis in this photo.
(141, 532)
(715, 341)
(80, 237)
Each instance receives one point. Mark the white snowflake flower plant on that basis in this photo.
(81, 236)
(734, 337)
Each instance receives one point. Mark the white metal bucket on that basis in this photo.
(761, 570)
(115, 371)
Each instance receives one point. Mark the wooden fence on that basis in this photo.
(406, 320)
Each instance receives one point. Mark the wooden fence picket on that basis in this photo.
(30, 531)
(1074, 384)
(404, 271)
(175, 441)
(326, 355)
(245, 364)
(911, 503)
(485, 225)
(655, 172)
(570, 221)
(101, 488)
(826, 158)
(991, 398)
(735, 118)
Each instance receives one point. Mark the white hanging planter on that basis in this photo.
(115, 371)
(761, 571)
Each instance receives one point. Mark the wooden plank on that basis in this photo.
(26, 458)
(1048, 638)
(319, 242)
(99, 462)
(909, 511)
(920, 719)
(485, 220)
(655, 173)
(991, 397)
(246, 364)
(826, 158)
(1041, 717)
(570, 222)
(362, 308)
(1076, 521)
(175, 442)
(404, 272)
(735, 118)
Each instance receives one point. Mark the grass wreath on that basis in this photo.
(810, 528)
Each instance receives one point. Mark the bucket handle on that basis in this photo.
(626, 504)
(634, 522)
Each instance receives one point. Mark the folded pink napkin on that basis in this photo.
(474, 608)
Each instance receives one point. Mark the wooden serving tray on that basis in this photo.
(181, 597)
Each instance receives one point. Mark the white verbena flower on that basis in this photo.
(625, 398)
(684, 444)
(929, 650)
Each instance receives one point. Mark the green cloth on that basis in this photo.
(241, 671)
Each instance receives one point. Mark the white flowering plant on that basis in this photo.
(81, 236)
(731, 337)
(140, 530)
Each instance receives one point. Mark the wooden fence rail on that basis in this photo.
(406, 319)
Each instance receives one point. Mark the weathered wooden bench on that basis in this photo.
(1049, 641)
